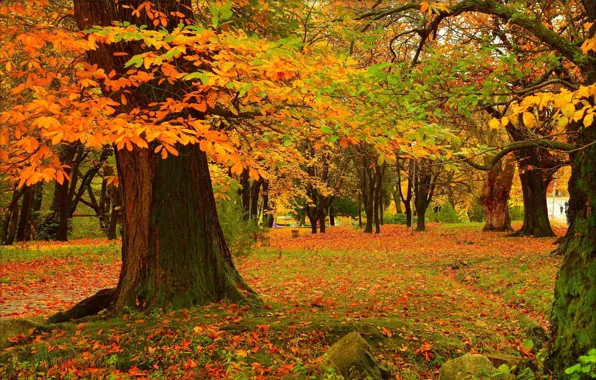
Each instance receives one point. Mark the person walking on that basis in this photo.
(567, 211)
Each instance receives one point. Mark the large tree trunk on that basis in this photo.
(173, 250)
(322, 213)
(495, 195)
(573, 317)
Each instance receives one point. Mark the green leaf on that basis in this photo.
(528, 344)
(573, 369)
(137, 60)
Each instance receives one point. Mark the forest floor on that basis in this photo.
(419, 300)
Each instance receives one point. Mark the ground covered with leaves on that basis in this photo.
(419, 300)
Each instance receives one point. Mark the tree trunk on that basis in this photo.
(267, 214)
(254, 199)
(23, 228)
(381, 211)
(313, 221)
(421, 207)
(115, 214)
(359, 212)
(495, 195)
(408, 210)
(535, 173)
(321, 209)
(12, 226)
(536, 222)
(173, 250)
(573, 320)
(331, 216)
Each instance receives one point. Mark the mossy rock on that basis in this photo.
(534, 331)
(467, 367)
(10, 328)
(352, 358)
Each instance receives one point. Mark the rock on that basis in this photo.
(10, 328)
(498, 360)
(535, 332)
(467, 367)
(352, 358)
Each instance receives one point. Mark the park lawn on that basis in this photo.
(419, 300)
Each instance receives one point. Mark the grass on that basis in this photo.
(418, 300)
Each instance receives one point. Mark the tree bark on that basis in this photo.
(535, 174)
(322, 214)
(424, 187)
(495, 195)
(173, 249)
(408, 198)
(267, 212)
(24, 221)
(573, 321)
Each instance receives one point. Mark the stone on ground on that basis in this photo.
(352, 358)
(467, 367)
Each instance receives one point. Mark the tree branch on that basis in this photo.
(556, 145)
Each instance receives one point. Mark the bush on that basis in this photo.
(516, 212)
(447, 214)
(241, 235)
(476, 213)
(395, 219)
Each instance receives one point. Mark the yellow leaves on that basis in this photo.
(589, 120)
(529, 119)
(8, 66)
(568, 110)
(494, 124)
(589, 45)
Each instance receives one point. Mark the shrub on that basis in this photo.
(241, 235)
(395, 219)
(476, 213)
(516, 212)
(447, 214)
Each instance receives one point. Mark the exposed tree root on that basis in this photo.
(101, 300)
